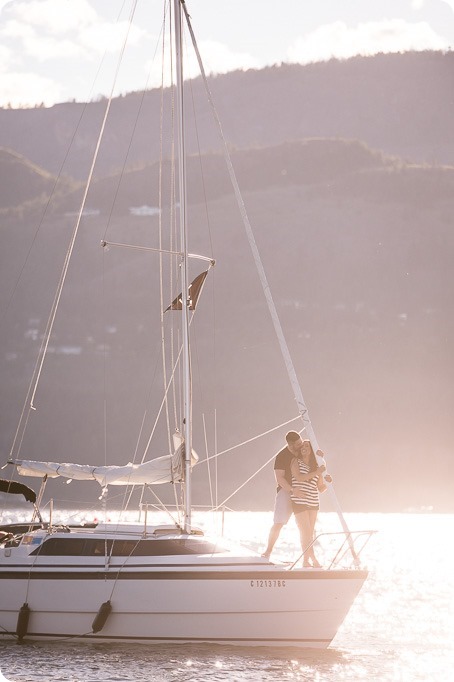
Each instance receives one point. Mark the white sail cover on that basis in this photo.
(167, 469)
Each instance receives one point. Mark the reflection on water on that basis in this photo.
(167, 662)
(400, 628)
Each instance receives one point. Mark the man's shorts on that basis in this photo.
(283, 508)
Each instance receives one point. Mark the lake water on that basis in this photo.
(400, 629)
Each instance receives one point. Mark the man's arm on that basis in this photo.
(282, 481)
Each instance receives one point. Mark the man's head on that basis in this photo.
(294, 442)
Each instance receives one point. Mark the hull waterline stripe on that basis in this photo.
(77, 574)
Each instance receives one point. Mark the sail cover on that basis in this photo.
(167, 469)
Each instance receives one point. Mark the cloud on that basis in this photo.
(219, 58)
(63, 29)
(216, 57)
(5, 58)
(41, 47)
(104, 37)
(19, 89)
(340, 41)
(54, 16)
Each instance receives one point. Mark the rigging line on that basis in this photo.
(22, 424)
(172, 217)
(79, 218)
(127, 496)
(25, 414)
(160, 231)
(221, 504)
(34, 382)
(172, 198)
(144, 416)
(250, 440)
(104, 355)
(210, 236)
(131, 137)
(140, 248)
(170, 383)
(202, 175)
(210, 485)
(122, 565)
(161, 406)
(161, 251)
(216, 451)
(302, 408)
(164, 507)
(57, 178)
(266, 288)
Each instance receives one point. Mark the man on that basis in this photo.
(283, 508)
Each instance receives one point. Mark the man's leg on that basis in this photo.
(273, 536)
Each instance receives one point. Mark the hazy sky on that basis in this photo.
(51, 50)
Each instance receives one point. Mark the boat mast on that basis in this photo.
(187, 430)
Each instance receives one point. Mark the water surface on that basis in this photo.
(400, 629)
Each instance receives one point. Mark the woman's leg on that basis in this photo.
(312, 519)
(273, 536)
(304, 525)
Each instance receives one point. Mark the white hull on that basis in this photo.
(225, 599)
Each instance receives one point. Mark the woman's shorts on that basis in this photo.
(298, 508)
(283, 508)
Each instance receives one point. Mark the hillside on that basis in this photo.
(401, 104)
(346, 168)
(24, 182)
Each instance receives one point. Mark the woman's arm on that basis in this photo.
(298, 476)
(323, 480)
(321, 485)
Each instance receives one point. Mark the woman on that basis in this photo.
(307, 483)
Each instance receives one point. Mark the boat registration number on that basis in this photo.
(267, 583)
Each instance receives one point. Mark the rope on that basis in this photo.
(57, 179)
(222, 504)
(304, 413)
(249, 440)
(210, 484)
(160, 204)
(33, 387)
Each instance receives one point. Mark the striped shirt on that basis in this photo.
(309, 488)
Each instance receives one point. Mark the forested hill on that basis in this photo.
(402, 104)
(345, 168)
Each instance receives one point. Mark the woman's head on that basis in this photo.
(307, 454)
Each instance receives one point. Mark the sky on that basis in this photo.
(61, 50)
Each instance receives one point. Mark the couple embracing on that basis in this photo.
(299, 482)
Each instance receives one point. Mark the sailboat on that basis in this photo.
(145, 582)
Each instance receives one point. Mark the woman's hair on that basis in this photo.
(312, 459)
